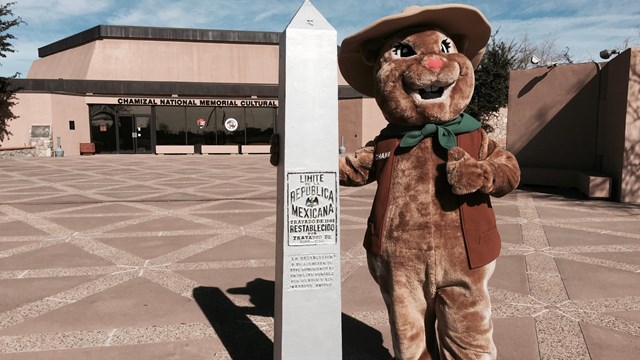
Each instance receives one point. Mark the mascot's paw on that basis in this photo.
(465, 174)
(274, 149)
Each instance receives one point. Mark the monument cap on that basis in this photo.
(468, 27)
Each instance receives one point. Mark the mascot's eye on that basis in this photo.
(445, 46)
(403, 50)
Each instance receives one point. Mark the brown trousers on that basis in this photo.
(438, 307)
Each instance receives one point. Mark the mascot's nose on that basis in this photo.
(434, 63)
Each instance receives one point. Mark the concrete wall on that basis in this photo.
(553, 116)
(31, 109)
(65, 108)
(350, 123)
(630, 182)
(146, 60)
(615, 77)
(54, 110)
(373, 120)
(360, 121)
(71, 64)
(572, 120)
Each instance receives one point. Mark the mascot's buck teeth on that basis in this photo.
(431, 92)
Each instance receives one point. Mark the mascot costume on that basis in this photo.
(431, 238)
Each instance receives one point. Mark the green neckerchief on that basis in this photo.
(412, 135)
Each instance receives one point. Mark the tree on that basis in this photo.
(492, 82)
(7, 92)
(546, 51)
(629, 41)
(492, 76)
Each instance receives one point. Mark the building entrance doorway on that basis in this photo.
(134, 135)
(117, 129)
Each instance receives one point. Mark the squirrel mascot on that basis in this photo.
(431, 238)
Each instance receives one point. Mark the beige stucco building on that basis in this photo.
(127, 89)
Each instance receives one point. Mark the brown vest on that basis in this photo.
(477, 218)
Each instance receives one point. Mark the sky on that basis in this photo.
(583, 26)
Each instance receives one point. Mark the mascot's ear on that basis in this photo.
(370, 49)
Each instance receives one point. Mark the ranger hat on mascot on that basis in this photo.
(466, 26)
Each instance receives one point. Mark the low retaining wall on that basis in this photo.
(6, 153)
(594, 185)
(219, 149)
(174, 149)
(255, 149)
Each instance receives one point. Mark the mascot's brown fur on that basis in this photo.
(432, 239)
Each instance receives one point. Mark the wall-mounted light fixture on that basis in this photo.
(536, 61)
(605, 54)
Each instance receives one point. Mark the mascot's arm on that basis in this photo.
(496, 172)
(357, 169)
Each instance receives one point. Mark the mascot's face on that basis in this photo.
(421, 78)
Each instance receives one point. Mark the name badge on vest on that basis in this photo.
(383, 155)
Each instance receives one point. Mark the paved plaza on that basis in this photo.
(173, 257)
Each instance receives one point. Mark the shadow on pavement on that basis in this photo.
(548, 192)
(239, 335)
(244, 340)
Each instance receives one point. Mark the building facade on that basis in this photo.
(130, 90)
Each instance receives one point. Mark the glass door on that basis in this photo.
(103, 133)
(126, 135)
(142, 139)
(134, 135)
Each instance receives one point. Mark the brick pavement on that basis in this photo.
(172, 257)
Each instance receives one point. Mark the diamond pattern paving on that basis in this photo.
(162, 257)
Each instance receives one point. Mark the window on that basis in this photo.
(170, 125)
(112, 126)
(260, 124)
(179, 125)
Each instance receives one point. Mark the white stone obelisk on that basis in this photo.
(307, 300)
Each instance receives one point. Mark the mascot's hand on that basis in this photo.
(467, 175)
(274, 149)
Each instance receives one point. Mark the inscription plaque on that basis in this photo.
(312, 214)
(40, 131)
(311, 271)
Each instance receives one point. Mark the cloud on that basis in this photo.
(239, 14)
(20, 61)
(584, 36)
(585, 26)
(38, 11)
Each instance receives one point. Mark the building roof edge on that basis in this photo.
(157, 88)
(158, 33)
